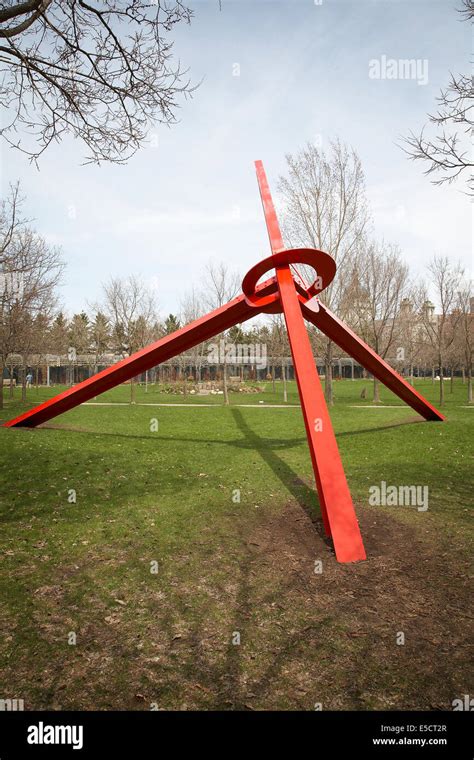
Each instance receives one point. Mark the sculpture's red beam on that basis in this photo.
(234, 312)
(276, 294)
(346, 339)
(335, 499)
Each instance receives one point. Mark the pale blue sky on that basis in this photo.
(303, 76)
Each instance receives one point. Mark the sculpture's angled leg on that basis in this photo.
(235, 312)
(346, 339)
(336, 502)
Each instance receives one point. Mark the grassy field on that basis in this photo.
(130, 569)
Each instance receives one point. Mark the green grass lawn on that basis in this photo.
(165, 500)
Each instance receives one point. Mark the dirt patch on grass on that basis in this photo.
(344, 626)
(251, 625)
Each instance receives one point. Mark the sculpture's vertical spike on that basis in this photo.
(336, 504)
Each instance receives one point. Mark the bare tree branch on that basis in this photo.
(102, 74)
(447, 155)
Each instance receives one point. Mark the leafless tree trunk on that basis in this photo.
(440, 329)
(224, 381)
(11, 389)
(130, 307)
(328, 385)
(220, 286)
(377, 293)
(283, 376)
(190, 310)
(2, 367)
(30, 271)
(280, 347)
(23, 383)
(466, 332)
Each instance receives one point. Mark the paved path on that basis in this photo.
(378, 406)
(207, 406)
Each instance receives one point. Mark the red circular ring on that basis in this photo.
(323, 264)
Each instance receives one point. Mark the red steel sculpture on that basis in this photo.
(285, 292)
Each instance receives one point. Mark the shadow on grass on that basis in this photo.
(333, 639)
(227, 681)
(247, 443)
(306, 496)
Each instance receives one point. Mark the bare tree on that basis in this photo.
(447, 154)
(466, 331)
(440, 329)
(467, 10)
(410, 335)
(325, 208)
(170, 325)
(382, 283)
(40, 328)
(280, 347)
(190, 310)
(271, 339)
(11, 221)
(100, 71)
(131, 308)
(221, 285)
(30, 272)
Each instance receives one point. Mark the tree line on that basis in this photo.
(324, 206)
